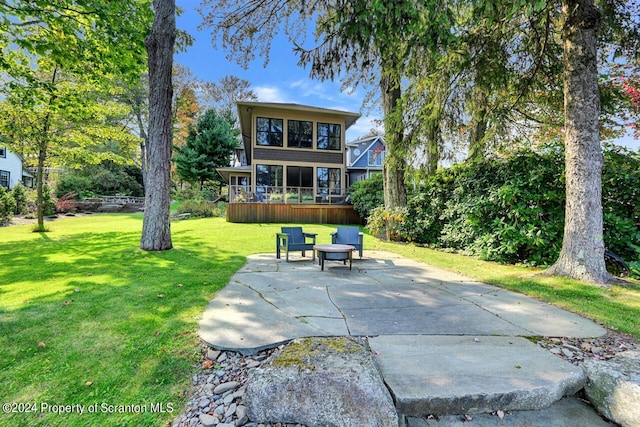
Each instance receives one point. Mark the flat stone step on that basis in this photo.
(568, 412)
(448, 375)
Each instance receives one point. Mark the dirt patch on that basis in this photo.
(23, 220)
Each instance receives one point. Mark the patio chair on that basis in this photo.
(348, 235)
(294, 239)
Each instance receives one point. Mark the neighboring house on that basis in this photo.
(292, 153)
(12, 171)
(365, 158)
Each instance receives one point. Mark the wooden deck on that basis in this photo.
(292, 213)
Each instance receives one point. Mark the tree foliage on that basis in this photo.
(105, 179)
(511, 209)
(54, 54)
(367, 194)
(210, 144)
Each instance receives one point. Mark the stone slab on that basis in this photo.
(568, 412)
(445, 375)
(540, 318)
(460, 319)
(238, 319)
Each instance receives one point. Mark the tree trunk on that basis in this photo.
(156, 228)
(395, 192)
(143, 145)
(582, 254)
(42, 155)
(478, 127)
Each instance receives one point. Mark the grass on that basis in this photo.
(88, 318)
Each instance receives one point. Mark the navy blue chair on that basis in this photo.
(348, 235)
(294, 239)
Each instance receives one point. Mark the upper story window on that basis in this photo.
(329, 136)
(376, 156)
(3, 152)
(269, 131)
(300, 134)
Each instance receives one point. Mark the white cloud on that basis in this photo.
(270, 94)
(362, 127)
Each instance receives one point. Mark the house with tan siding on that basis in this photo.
(292, 154)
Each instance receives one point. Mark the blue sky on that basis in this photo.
(282, 80)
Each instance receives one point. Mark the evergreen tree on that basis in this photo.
(209, 145)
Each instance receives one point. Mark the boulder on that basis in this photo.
(321, 382)
(613, 387)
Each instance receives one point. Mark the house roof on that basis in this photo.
(245, 110)
(366, 143)
(226, 172)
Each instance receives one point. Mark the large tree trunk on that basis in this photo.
(395, 192)
(156, 228)
(582, 254)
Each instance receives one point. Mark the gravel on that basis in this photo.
(216, 398)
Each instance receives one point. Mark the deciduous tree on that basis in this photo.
(48, 45)
(156, 227)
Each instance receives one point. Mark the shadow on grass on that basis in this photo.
(89, 317)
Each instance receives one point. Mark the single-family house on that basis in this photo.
(12, 171)
(365, 158)
(292, 165)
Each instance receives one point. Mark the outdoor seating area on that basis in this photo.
(348, 235)
(294, 239)
(344, 241)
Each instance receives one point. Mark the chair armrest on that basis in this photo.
(284, 237)
(311, 236)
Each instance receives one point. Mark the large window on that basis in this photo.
(4, 179)
(269, 132)
(329, 136)
(298, 176)
(268, 176)
(299, 134)
(329, 181)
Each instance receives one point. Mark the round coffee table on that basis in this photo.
(334, 253)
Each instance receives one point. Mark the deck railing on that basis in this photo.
(288, 195)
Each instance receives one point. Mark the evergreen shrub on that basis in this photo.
(511, 209)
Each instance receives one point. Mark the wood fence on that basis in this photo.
(292, 213)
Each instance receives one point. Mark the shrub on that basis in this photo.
(19, 194)
(7, 205)
(67, 204)
(388, 223)
(104, 179)
(49, 205)
(621, 202)
(203, 209)
(366, 195)
(512, 209)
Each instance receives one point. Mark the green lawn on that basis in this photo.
(87, 318)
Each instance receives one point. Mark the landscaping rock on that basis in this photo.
(110, 207)
(321, 382)
(613, 387)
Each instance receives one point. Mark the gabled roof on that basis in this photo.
(367, 144)
(245, 109)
